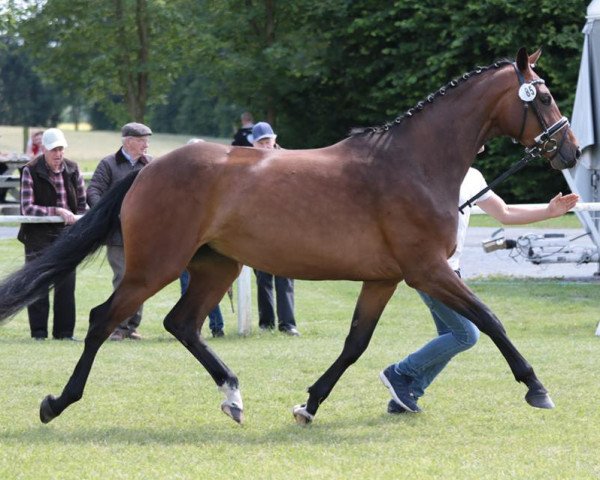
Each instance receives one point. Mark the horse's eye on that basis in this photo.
(546, 99)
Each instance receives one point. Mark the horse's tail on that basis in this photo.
(76, 243)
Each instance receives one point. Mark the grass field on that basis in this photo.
(150, 411)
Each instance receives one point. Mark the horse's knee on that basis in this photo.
(353, 349)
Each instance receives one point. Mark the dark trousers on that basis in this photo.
(284, 289)
(64, 305)
(116, 259)
(3, 169)
(215, 318)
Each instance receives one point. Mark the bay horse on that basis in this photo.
(379, 207)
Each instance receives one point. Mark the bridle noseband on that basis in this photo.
(545, 141)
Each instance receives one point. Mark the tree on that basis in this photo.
(327, 66)
(24, 98)
(120, 54)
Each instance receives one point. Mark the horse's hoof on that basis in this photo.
(233, 411)
(539, 400)
(46, 412)
(302, 416)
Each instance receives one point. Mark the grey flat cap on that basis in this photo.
(135, 130)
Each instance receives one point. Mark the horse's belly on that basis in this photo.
(303, 258)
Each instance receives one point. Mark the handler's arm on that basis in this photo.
(519, 215)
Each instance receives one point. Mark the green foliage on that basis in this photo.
(118, 54)
(24, 98)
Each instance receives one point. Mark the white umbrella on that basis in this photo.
(584, 179)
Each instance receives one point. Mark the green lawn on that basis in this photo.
(569, 220)
(150, 411)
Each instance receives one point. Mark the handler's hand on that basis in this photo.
(560, 204)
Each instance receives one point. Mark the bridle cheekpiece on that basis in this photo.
(545, 141)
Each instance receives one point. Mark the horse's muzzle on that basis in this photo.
(560, 161)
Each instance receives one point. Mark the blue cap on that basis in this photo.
(261, 130)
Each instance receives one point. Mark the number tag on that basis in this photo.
(527, 92)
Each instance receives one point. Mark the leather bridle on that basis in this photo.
(545, 141)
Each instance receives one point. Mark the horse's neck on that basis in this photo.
(453, 128)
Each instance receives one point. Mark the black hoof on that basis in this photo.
(539, 399)
(237, 414)
(46, 412)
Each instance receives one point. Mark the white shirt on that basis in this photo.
(471, 185)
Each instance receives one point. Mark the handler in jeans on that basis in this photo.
(129, 158)
(408, 379)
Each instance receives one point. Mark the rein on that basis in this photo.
(530, 153)
(544, 142)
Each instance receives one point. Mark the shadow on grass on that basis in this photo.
(326, 433)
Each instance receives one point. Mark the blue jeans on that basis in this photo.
(455, 334)
(215, 319)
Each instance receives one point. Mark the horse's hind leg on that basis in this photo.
(103, 320)
(373, 298)
(447, 288)
(211, 274)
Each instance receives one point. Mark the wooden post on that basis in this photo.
(25, 137)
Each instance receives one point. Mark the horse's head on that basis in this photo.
(536, 121)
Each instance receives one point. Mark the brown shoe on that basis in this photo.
(117, 335)
(134, 335)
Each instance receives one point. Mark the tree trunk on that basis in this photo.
(134, 82)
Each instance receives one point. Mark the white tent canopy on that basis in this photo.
(584, 179)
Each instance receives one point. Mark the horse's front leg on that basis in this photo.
(372, 300)
(449, 289)
(536, 396)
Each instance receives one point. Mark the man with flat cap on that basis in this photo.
(130, 157)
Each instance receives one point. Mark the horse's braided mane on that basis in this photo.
(428, 99)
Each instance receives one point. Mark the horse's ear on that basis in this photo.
(533, 58)
(522, 60)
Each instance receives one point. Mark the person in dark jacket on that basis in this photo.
(51, 185)
(240, 139)
(130, 157)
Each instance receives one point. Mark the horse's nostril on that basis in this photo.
(577, 153)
